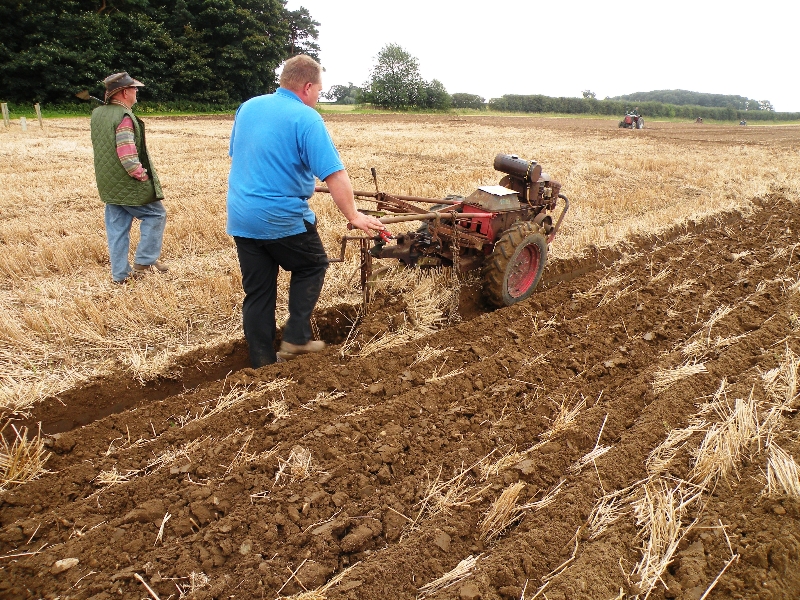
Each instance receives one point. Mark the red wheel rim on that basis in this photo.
(522, 272)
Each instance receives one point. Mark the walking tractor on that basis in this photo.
(504, 230)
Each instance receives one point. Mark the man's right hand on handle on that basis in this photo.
(366, 223)
(341, 191)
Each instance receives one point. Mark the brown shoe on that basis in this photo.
(130, 277)
(291, 351)
(158, 266)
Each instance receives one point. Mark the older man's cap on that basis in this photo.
(119, 81)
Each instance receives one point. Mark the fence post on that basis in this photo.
(39, 114)
(23, 123)
(4, 106)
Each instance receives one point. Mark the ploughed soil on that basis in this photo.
(228, 482)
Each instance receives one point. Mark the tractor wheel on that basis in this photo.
(640, 123)
(514, 268)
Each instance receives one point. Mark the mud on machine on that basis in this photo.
(502, 230)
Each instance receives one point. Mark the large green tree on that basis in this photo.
(200, 50)
(395, 80)
(51, 47)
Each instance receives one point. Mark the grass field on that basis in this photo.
(63, 321)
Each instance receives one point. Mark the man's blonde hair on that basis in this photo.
(300, 70)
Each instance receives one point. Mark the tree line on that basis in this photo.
(395, 82)
(685, 97)
(589, 105)
(198, 52)
(211, 55)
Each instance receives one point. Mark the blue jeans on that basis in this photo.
(118, 231)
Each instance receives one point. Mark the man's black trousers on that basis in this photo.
(304, 257)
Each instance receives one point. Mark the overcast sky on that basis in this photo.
(563, 47)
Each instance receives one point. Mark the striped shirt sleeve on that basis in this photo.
(126, 150)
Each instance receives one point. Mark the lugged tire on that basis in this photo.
(522, 246)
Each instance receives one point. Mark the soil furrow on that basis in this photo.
(247, 511)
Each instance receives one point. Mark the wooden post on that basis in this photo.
(23, 123)
(39, 114)
(4, 106)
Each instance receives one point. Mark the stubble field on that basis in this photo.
(626, 432)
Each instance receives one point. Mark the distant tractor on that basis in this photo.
(632, 120)
(699, 120)
(743, 123)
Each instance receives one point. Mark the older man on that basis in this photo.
(279, 143)
(126, 180)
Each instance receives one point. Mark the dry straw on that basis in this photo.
(437, 374)
(503, 513)
(459, 573)
(664, 379)
(608, 509)
(700, 348)
(564, 419)
(443, 495)
(321, 592)
(298, 466)
(22, 458)
(428, 353)
(17, 398)
(733, 430)
(783, 475)
(662, 455)
(107, 479)
(596, 289)
(660, 516)
(781, 383)
(238, 393)
(727, 441)
(429, 300)
(593, 454)
(112, 477)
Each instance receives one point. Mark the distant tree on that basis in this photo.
(589, 94)
(395, 80)
(765, 105)
(434, 95)
(343, 94)
(303, 33)
(461, 100)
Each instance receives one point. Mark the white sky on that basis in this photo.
(562, 47)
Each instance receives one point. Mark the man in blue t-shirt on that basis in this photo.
(279, 144)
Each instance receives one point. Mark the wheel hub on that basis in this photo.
(522, 272)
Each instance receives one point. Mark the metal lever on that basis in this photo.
(375, 178)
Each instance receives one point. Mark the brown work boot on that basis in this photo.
(128, 278)
(157, 266)
(290, 351)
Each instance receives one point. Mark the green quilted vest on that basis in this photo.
(113, 182)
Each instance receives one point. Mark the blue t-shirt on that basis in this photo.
(278, 145)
